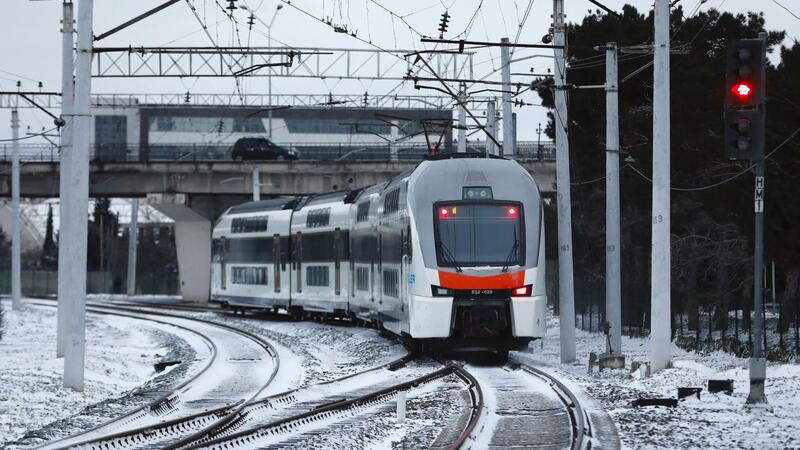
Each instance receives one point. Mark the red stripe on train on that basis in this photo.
(452, 280)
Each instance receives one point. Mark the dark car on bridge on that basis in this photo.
(260, 149)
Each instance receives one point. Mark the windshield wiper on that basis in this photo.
(512, 253)
(448, 257)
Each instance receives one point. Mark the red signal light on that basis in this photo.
(512, 212)
(742, 90)
(443, 213)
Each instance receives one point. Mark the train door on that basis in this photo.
(337, 261)
(405, 262)
(276, 260)
(223, 249)
(297, 261)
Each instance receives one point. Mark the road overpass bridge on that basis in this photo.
(226, 178)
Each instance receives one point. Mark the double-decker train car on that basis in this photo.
(449, 254)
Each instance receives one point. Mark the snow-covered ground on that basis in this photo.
(716, 421)
(120, 357)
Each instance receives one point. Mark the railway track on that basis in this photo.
(526, 407)
(240, 368)
(515, 405)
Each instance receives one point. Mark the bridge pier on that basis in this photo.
(192, 242)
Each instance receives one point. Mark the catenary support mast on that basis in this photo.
(508, 127)
(16, 248)
(133, 239)
(491, 126)
(64, 210)
(613, 272)
(660, 323)
(566, 293)
(75, 230)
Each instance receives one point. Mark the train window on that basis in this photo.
(217, 250)
(479, 234)
(249, 250)
(362, 215)
(317, 276)
(318, 217)
(391, 203)
(391, 287)
(362, 278)
(249, 224)
(249, 275)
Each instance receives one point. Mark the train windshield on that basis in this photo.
(479, 234)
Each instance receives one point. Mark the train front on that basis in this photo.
(480, 284)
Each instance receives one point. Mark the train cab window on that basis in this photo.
(320, 217)
(479, 234)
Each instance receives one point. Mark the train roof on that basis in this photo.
(456, 155)
(327, 198)
(273, 204)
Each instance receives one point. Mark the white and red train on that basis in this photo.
(448, 254)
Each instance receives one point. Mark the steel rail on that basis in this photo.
(145, 434)
(160, 401)
(476, 396)
(581, 428)
(356, 405)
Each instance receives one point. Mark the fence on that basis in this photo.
(308, 151)
(44, 283)
(702, 324)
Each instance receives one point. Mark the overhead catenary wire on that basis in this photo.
(729, 179)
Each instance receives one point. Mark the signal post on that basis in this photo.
(745, 124)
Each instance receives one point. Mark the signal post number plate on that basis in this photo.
(759, 195)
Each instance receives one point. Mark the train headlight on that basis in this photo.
(524, 291)
(441, 292)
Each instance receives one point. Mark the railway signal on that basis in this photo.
(744, 99)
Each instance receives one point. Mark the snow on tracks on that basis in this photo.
(241, 366)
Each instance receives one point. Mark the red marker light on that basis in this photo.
(524, 291)
(742, 91)
(512, 212)
(443, 213)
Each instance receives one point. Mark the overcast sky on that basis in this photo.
(30, 50)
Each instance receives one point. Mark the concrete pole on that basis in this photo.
(613, 265)
(64, 209)
(133, 240)
(16, 248)
(660, 285)
(75, 232)
(566, 289)
(256, 185)
(462, 120)
(508, 128)
(491, 127)
(513, 133)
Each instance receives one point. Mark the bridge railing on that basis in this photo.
(324, 152)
